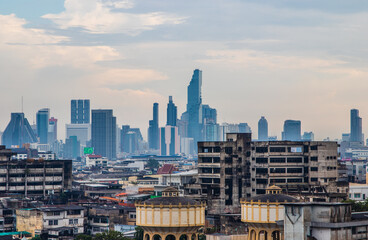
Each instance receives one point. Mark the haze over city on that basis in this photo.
(302, 60)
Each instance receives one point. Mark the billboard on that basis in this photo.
(88, 150)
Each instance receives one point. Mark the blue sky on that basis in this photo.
(304, 60)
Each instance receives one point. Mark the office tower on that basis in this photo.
(209, 115)
(153, 130)
(355, 126)
(72, 148)
(308, 136)
(80, 111)
(244, 128)
(104, 133)
(171, 113)
(194, 106)
(131, 139)
(81, 131)
(52, 131)
(211, 132)
(18, 131)
(169, 141)
(262, 129)
(292, 130)
(42, 119)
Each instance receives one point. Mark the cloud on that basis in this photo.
(98, 16)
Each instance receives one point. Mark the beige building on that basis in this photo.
(55, 222)
(170, 217)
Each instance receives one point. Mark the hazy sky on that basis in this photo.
(304, 59)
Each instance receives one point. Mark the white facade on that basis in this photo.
(96, 161)
(82, 131)
(358, 192)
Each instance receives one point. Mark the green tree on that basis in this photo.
(138, 235)
(83, 237)
(153, 164)
(111, 235)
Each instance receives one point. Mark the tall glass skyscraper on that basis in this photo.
(292, 130)
(42, 119)
(18, 131)
(356, 134)
(262, 129)
(171, 113)
(104, 133)
(80, 111)
(153, 130)
(194, 107)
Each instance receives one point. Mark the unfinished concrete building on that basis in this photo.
(306, 169)
(224, 173)
(239, 168)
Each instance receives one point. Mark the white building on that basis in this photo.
(96, 161)
(82, 131)
(358, 192)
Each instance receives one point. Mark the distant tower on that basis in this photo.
(171, 113)
(80, 111)
(355, 126)
(42, 119)
(18, 131)
(292, 130)
(104, 133)
(262, 129)
(153, 130)
(52, 132)
(194, 106)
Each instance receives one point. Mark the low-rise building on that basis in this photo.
(54, 222)
(96, 161)
(358, 192)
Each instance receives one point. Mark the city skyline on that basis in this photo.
(282, 66)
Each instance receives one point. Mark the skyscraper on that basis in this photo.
(104, 133)
(18, 131)
(355, 126)
(153, 130)
(80, 111)
(169, 141)
(292, 130)
(52, 132)
(262, 129)
(194, 106)
(171, 113)
(42, 119)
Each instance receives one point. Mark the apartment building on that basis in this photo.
(33, 177)
(52, 222)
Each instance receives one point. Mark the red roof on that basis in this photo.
(167, 169)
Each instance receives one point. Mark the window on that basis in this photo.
(228, 150)
(261, 160)
(277, 170)
(294, 160)
(216, 160)
(295, 180)
(229, 160)
(278, 180)
(294, 170)
(295, 149)
(240, 149)
(261, 181)
(315, 147)
(260, 191)
(261, 149)
(216, 149)
(132, 215)
(53, 222)
(70, 221)
(261, 170)
(356, 195)
(228, 171)
(314, 169)
(277, 160)
(314, 159)
(75, 221)
(277, 149)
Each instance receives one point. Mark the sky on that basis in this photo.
(305, 60)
